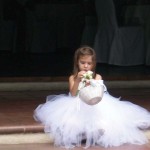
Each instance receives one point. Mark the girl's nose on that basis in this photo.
(86, 65)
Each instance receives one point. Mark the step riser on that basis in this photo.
(35, 86)
(21, 129)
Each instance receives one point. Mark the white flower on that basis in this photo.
(87, 76)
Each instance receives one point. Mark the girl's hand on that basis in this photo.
(80, 75)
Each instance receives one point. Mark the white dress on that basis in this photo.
(111, 122)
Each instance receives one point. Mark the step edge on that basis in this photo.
(21, 129)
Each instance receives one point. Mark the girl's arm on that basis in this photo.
(73, 85)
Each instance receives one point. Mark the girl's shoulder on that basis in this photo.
(98, 77)
(71, 78)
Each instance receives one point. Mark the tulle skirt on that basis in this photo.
(111, 122)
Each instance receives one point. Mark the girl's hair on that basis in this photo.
(82, 51)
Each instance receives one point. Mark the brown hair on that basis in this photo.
(82, 51)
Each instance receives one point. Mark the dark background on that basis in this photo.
(38, 40)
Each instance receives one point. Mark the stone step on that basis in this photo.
(17, 124)
(63, 85)
(25, 138)
(28, 138)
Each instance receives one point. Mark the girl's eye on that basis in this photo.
(89, 64)
(82, 62)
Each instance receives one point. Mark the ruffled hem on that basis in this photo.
(111, 122)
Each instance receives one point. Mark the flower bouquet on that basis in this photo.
(93, 93)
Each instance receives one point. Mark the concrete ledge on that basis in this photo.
(34, 138)
(128, 84)
(35, 86)
(25, 138)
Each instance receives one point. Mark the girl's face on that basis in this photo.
(85, 63)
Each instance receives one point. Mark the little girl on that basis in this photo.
(110, 122)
